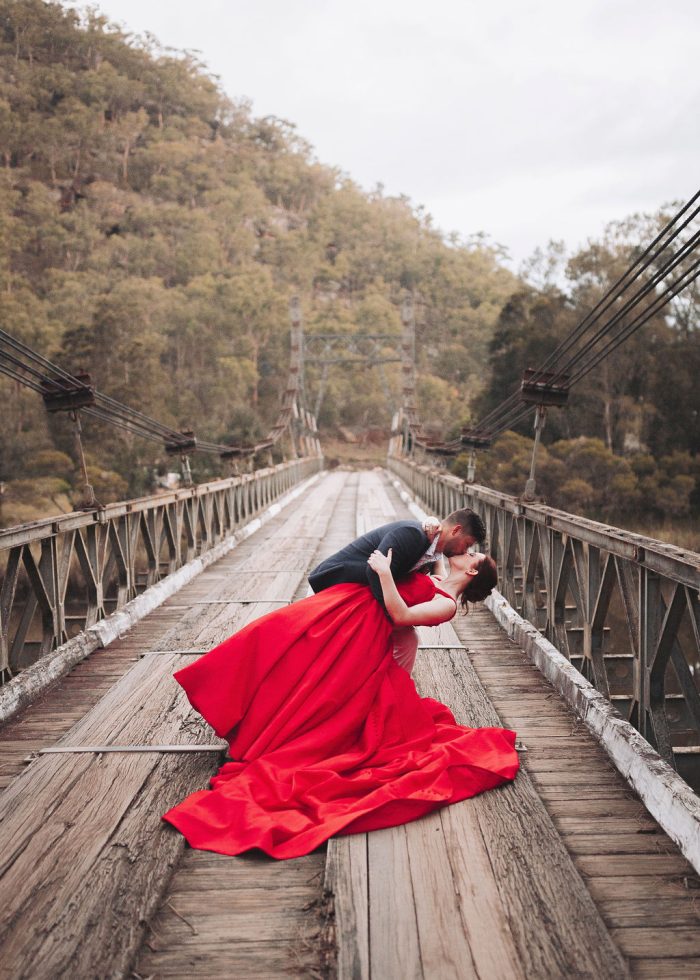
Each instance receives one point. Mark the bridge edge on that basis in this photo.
(31, 682)
(667, 797)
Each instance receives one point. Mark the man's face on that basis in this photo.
(455, 541)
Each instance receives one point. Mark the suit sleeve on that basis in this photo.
(407, 544)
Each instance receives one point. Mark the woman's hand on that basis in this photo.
(379, 563)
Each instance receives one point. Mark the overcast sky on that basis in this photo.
(526, 119)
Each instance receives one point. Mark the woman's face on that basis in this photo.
(467, 563)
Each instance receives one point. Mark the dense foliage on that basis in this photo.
(152, 232)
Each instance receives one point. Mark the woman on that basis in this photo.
(327, 732)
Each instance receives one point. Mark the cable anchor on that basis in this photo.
(64, 395)
(542, 389)
(182, 448)
(472, 440)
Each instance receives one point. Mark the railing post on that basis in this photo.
(650, 627)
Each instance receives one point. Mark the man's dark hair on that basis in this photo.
(469, 521)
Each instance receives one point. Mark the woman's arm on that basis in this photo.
(438, 610)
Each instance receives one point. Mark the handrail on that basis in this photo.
(622, 607)
(63, 574)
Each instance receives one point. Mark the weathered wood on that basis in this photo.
(223, 958)
(347, 880)
(666, 969)
(484, 917)
(648, 941)
(625, 888)
(245, 884)
(650, 911)
(394, 948)
(114, 852)
(629, 843)
(605, 865)
(445, 947)
(553, 920)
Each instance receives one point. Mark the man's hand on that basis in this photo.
(379, 563)
(432, 527)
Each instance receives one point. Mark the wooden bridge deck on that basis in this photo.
(561, 874)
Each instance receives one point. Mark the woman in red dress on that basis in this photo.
(327, 733)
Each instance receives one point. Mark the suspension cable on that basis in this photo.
(583, 360)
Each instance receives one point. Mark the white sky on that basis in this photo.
(526, 119)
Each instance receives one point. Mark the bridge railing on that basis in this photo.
(624, 608)
(61, 575)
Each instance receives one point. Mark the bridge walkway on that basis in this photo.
(555, 876)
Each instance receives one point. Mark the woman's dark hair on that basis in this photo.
(482, 584)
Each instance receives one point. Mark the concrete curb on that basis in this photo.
(667, 797)
(32, 681)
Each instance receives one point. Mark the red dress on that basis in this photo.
(328, 733)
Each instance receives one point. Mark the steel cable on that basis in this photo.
(509, 411)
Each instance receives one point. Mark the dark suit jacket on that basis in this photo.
(408, 542)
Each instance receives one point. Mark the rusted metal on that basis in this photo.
(473, 439)
(188, 444)
(67, 396)
(544, 388)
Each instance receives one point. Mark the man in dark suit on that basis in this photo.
(411, 548)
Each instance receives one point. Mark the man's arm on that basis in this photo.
(407, 544)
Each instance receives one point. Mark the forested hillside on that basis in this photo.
(152, 231)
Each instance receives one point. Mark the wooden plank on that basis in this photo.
(484, 918)
(564, 794)
(666, 968)
(574, 777)
(255, 922)
(592, 809)
(608, 865)
(347, 879)
(651, 911)
(393, 928)
(225, 959)
(676, 943)
(620, 843)
(445, 946)
(625, 888)
(575, 825)
(206, 871)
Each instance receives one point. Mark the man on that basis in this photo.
(414, 546)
